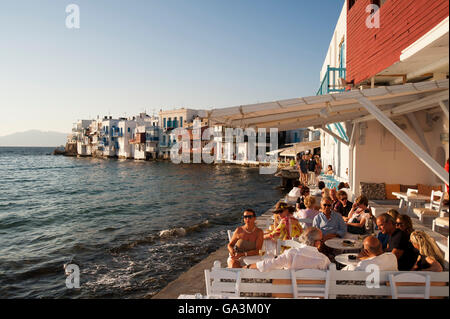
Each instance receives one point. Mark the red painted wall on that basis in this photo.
(402, 22)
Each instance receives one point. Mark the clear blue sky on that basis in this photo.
(129, 56)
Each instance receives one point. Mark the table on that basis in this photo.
(338, 244)
(411, 201)
(343, 259)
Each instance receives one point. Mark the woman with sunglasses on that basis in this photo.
(404, 223)
(247, 240)
(343, 206)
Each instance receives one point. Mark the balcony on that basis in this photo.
(330, 82)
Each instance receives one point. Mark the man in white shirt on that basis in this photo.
(373, 254)
(306, 257)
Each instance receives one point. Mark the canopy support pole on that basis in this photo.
(415, 124)
(444, 106)
(405, 139)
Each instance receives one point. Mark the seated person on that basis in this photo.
(326, 192)
(430, 256)
(329, 170)
(341, 185)
(321, 185)
(295, 192)
(333, 196)
(300, 201)
(309, 212)
(343, 206)
(384, 238)
(330, 223)
(358, 215)
(398, 243)
(288, 228)
(306, 257)
(373, 254)
(394, 213)
(404, 223)
(276, 214)
(247, 240)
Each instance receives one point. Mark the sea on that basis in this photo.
(130, 226)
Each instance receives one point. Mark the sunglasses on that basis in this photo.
(248, 216)
(398, 224)
(344, 198)
(326, 205)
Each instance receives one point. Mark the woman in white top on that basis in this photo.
(357, 217)
(308, 213)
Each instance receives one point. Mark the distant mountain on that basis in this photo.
(34, 138)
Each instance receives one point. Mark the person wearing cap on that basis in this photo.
(288, 228)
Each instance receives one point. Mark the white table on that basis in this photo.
(411, 201)
(343, 259)
(338, 244)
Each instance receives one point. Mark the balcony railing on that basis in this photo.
(330, 82)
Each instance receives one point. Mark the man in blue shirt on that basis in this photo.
(329, 222)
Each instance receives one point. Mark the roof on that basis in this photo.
(300, 147)
(331, 108)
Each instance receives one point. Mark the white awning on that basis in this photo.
(331, 108)
(300, 147)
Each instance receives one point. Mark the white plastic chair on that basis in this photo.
(304, 222)
(434, 208)
(313, 289)
(230, 235)
(409, 283)
(288, 243)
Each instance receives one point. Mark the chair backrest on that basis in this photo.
(310, 283)
(407, 285)
(230, 235)
(305, 221)
(412, 191)
(436, 200)
(288, 243)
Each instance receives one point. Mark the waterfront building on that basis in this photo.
(170, 120)
(124, 135)
(334, 150)
(80, 135)
(108, 137)
(146, 140)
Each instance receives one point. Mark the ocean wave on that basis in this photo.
(162, 235)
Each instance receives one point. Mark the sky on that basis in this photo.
(134, 56)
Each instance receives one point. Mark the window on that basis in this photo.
(128, 130)
(165, 123)
(181, 121)
(350, 4)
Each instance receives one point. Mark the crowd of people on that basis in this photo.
(330, 214)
